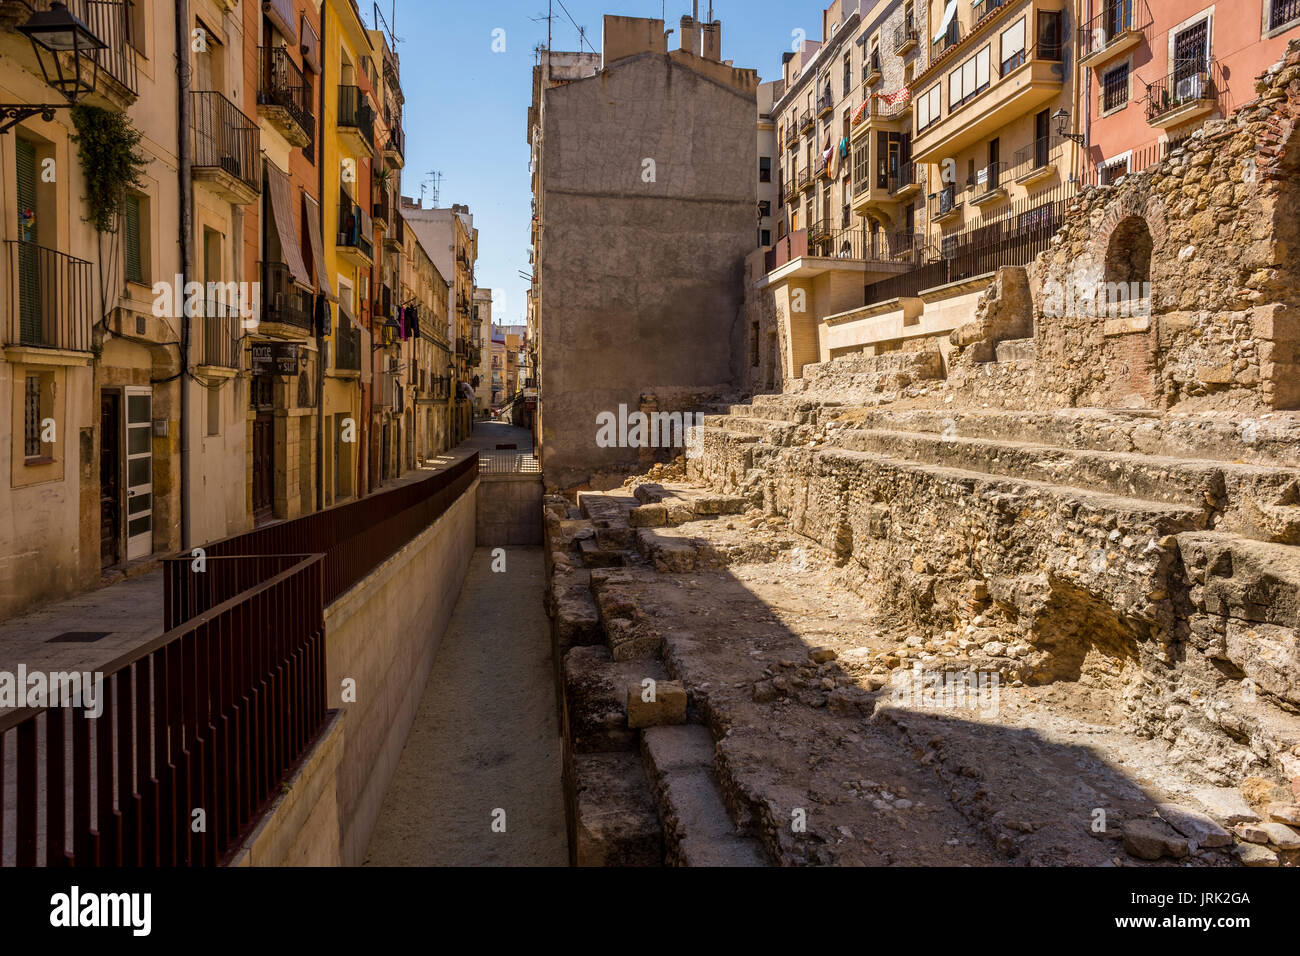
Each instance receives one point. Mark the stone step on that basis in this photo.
(614, 820)
(774, 432)
(698, 831)
(1267, 440)
(594, 698)
(595, 556)
(683, 504)
(1253, 499)
(576, 620)
(1245, 598)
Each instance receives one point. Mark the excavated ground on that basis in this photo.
(827, 749)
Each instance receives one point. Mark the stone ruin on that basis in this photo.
(1101, 506)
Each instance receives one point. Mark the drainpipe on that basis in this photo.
(185, 161)
(320, 266)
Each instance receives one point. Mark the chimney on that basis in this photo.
(712, 42)
(690, 35)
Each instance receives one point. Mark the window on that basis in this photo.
(765, 169)
(928, 107)
(32, 418)
(1282, 12)
(1114, 88)
(765, 208)
(1012, 46)
(214, 410)
(968, 80)
(754, 342)
(766, 239)
(38, 413)
(134, 239)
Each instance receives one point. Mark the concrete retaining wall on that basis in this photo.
(381, 636)
(509, 510)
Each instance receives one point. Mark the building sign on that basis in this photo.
(275, 358)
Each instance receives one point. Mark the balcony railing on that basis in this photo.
(348, 344)
(221, 334)
(947, 40)
(982, 8)
(1191, 82)
(283, 300)
(905, 36)
(50, 298)
(383, 208)
(944, 202)
(355, 113)
(355, 227)
(825, 103)
(396, 140)
(282, 85)
(1034, 156)
(225, 139)
(805, 178)
(989, 179)
(1023, 232)
(907, 174)
(111, 21)
(871, 67)
(878, 109)
(807, 121)
(860, 245)
(1116, 18)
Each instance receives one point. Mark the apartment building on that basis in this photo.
(427, 352)
(1153, 71)
(452, 242)
(283, 356)
(481, 370)
(348, 158)
(89, 370)
(851, 202)
(768, 146)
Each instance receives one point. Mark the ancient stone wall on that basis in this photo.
(1213, 230)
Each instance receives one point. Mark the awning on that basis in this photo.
(280, 13)
(311, 209)
(282, 205)
(949, 12)
(310, 46)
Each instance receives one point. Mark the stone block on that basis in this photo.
(668, 705)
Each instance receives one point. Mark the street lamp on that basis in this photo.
(1062, 119)
(62, 42)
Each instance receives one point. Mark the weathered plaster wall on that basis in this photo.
(641, 280)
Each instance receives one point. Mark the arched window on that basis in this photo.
(1128, 261)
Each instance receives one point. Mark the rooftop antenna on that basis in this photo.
(436, 188)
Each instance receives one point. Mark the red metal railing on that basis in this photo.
(210, 716)
(354, 538)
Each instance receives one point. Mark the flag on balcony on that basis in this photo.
(896, 98)
(857, 114)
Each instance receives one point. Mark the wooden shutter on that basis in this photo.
(31, 327)
(134, 260)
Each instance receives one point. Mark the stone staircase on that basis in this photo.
(1126, 525)
(640, 776)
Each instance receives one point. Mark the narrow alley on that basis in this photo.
(479, 780)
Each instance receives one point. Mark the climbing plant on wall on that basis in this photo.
(107, 142)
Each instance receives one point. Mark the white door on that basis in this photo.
(139, 472)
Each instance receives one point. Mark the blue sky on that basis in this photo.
(467, 107)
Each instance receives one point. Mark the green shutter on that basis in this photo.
(134, 263)
(29, 265)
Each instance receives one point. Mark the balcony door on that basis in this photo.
(262, 394)
(1191, 58)
(139, 472)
